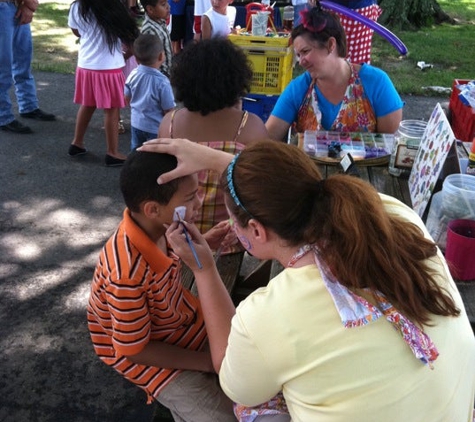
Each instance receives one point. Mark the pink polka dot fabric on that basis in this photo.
(359, 36)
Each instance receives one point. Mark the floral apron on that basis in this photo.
(355, 115)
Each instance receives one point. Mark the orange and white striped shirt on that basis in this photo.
(137, 296)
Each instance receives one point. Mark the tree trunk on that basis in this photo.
(411, 14)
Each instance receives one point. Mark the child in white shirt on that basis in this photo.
(218, 21)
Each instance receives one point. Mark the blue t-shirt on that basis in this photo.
(177, 7)
(150, 94)
(379, 89)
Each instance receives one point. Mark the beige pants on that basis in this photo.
(197, 397)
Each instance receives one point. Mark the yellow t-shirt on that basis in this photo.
(289, 336)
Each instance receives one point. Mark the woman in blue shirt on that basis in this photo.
(333, 94)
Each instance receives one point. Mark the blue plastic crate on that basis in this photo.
(259, 104)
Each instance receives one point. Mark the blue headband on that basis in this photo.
(232, 191)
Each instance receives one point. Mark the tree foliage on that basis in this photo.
(411, 14)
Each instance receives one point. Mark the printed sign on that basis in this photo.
(434, 147)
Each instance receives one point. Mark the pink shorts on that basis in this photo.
(100, 88)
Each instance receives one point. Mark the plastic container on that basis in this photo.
(406, 143)
(330, 144)
(259, 23)
(461, 249)
(257, 42)
(462, 116)
(455, 201)
(271, 60)
(253, 8)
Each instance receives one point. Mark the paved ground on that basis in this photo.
(55, 215)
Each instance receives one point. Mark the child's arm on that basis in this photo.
(127, 92)
(163, 355)
(220, 235)
(205, 28)
(127, 51)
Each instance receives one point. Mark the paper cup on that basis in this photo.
(460, 250)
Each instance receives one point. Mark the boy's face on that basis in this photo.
(187, 196)
(160, 11)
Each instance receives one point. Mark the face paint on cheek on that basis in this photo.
(245, 242)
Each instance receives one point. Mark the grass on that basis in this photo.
(449, 48)
(55, 48)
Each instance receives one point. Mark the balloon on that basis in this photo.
(375, 26)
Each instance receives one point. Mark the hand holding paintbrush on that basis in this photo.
(179, 215)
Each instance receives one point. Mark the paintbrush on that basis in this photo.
(179, 214)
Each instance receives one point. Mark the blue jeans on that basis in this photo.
(139, 137)
(16, 49)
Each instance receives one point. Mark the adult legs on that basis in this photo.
(82, 122)
(7, 27)
(25, 88)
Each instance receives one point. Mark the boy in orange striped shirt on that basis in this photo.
(142, 321)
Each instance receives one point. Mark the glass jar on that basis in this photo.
(406, 143)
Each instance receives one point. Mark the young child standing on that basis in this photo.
(147, 90)
(218, 21)
(178, 24)
(102, 27)
(157, 12)
(142, 321)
